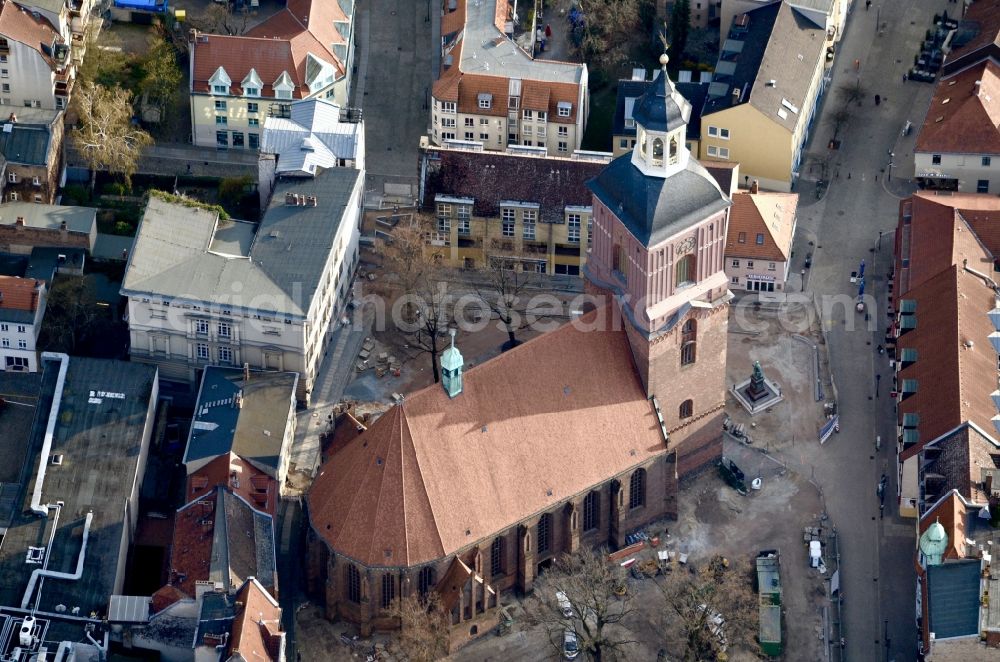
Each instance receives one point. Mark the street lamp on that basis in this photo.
(891, 155)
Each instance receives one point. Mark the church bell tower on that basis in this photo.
(659, 234)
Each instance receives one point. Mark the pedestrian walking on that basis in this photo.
(548, 31)
(857, 65)
(868, 4)
(878, 99)
(904, 76)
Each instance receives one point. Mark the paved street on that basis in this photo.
(395, 57)
(878, 582)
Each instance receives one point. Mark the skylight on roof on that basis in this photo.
(946, 101)
(782, 114)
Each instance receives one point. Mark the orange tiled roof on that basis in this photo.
(769, 214)
(218, 472)
(452, 21)
(19, 293)
(434, 474)
(279, 44)
(256, 631)
(984, 16)
(18, 24)
(964, 115)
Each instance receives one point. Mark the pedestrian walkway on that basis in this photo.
(333, 376)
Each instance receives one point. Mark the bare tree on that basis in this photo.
(838, 118)
(709, 608)
(223, 18)
(105, 136)
(71, 315)
(596, 603)
(609, 28)
(424, 627)
(850, 93)
(427, 307)
(503, 295)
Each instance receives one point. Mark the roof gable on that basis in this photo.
(964, 114)
(768, 216)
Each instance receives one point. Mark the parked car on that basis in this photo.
(571, 645)
(564, 604)
(815, 554)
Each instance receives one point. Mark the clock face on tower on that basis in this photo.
(685, 246)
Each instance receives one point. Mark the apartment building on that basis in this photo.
(37, 69)
(524, 207)
(492, 92)
(958, 148)
(765, 92)
(203, 290)
(25, 226)
(70, 18)
(31, 146)
(759, 240)
(22, 307)
(304, 51)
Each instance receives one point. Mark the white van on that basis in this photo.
(564, 604)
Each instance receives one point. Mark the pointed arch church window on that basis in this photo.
(657, 151)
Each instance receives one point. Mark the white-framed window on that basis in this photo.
(749, 264)
(573, 228)
(253, 121)
(528, 218)
(563, 131)
(463, 212)
(225, 330)
(12, 196)
(12, 177)
(221, 120)
(771, 266)
(447, 135)
(22, 344)
(724, 133)
(485, 101)
(448, 122)
(564, 109)
(201, 352)
(226, 355)
(252, 107)
(470, 135)
(470, 121)
(201, 327)
(484, 137)
(5, 342)
(36, 181)
(526, 130)
(464, 227)
(220, 104)
(736, 263)
(282, 94)
(562, 147)
(507, 220)
(484, 121)
(4, 327)
(720, 152)
(713, 131)
(448, 107)
(529, 114)
(542, 115)
(220, 89)
(251, 91)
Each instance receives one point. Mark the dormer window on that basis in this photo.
(485, 100)
(220, 82)
(564, 108)
(283, 87)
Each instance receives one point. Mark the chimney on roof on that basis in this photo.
(12, 119)
(311, 200)
(63, 227)
(755, 187)
(19, 223)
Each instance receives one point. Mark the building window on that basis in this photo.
(388, 590)
(220, 89)
(564, 109)
(201, 327)
(448, 106)
(253, 140)
(637, 489)
(507, 222)
(736, 263)
(591, 506)
(771, 266)
(742, 239)
(529, 114)
(986, 161)
(749, 264)
(464, 227)
(563, 131)
(251, 107)
(485, 101)
(447, 135)
(983, 186)
(544, 533)
(251, 92)
(936, 159)
(483, 121)
(226, 355)
(760, 238)
(484, 137)
(720, 152)
(528, 218)
(573, 228)
(5, 87)
(496, 556)
(220, 104)
(657, 151)
(225, 330)
(470, 121)
(237, 139)
(686, 409)
(685, 271)
(713, 131)
(448, 122)
(470, 135)
(222, 139)
(12, 196)
(253, 121)
(12, 177)
(563, 147)
(202, 352)
(623, 143)
(724, 134)
(618, 263)
(4, 327)
(21, 328)
(5, 342)
(689, 337)
(425, 581)
(221, 119)
(542, 115)
(353, 581)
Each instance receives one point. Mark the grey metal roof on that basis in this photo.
(110, 247)
(233, 238)
(824, 6)
(661, 107)
(486, 51)
(171, 255)
(953, 598)
(780, 45)
(49, 217)
(26, 144)
(98, 435)
(242, 543)
(255, 431)
(654, 208)
(311, 137)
